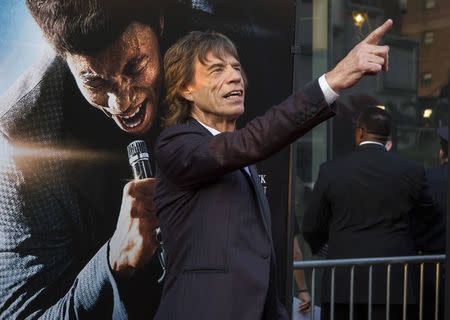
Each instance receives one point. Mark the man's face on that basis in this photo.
(217, 91)
(124, 79)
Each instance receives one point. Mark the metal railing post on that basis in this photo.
(369, 300)
(405, 290)
(313, 291)
(352, 283)
(421, 292)
(332, 294)
(388, 291)
(436, 302)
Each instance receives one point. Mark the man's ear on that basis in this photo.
(358, 133)
(187, 94)
(388, 145)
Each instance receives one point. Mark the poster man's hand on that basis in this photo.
(134, 243)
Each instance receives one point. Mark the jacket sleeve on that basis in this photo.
(187, 156)
(318, 214)
(40, 275)
(424, 214)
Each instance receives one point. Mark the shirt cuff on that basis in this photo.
(329, 94)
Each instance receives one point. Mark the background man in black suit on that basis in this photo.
(213, 213)
(434, 241)
(433, 238)
(361, 206)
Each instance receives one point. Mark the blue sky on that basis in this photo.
(21, 41)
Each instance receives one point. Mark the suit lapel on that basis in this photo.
(256, 184)
(262, 200)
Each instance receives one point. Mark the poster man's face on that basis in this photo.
(124, 79)
(218, 88)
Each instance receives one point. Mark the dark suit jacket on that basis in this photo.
(59, 204)
(361, 205)
(433, 239)
(215, 218)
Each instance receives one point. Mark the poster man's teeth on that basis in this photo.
(134, 113)
(134, 123)
(130, 122)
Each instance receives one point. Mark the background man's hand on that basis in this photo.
(366, 58)
(133, 243)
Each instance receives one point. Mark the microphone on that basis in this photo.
(140, 164)
(139, 160)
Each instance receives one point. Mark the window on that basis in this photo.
(427, 78)
(428, 37)
(430, 4)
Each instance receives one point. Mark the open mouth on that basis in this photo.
(234, 93)
(136, 118)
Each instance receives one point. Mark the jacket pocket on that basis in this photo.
(188, 270)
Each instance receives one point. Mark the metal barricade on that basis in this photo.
(371, 262)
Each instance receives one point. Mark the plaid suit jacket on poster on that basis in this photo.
(58, 203)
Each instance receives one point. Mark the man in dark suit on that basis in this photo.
(68, 226)
(361, 207)
(213, 213)
(432, 240)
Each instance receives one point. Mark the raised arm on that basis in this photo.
(187, 155)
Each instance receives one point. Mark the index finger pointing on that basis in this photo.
(375, 36)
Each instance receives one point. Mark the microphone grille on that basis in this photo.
(137, 148)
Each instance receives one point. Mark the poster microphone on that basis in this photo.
(140, 165)
(139, 160)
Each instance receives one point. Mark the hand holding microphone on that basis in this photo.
(134, 242)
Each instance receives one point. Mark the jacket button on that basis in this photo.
(265, 256)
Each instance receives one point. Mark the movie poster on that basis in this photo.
(263, 31)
